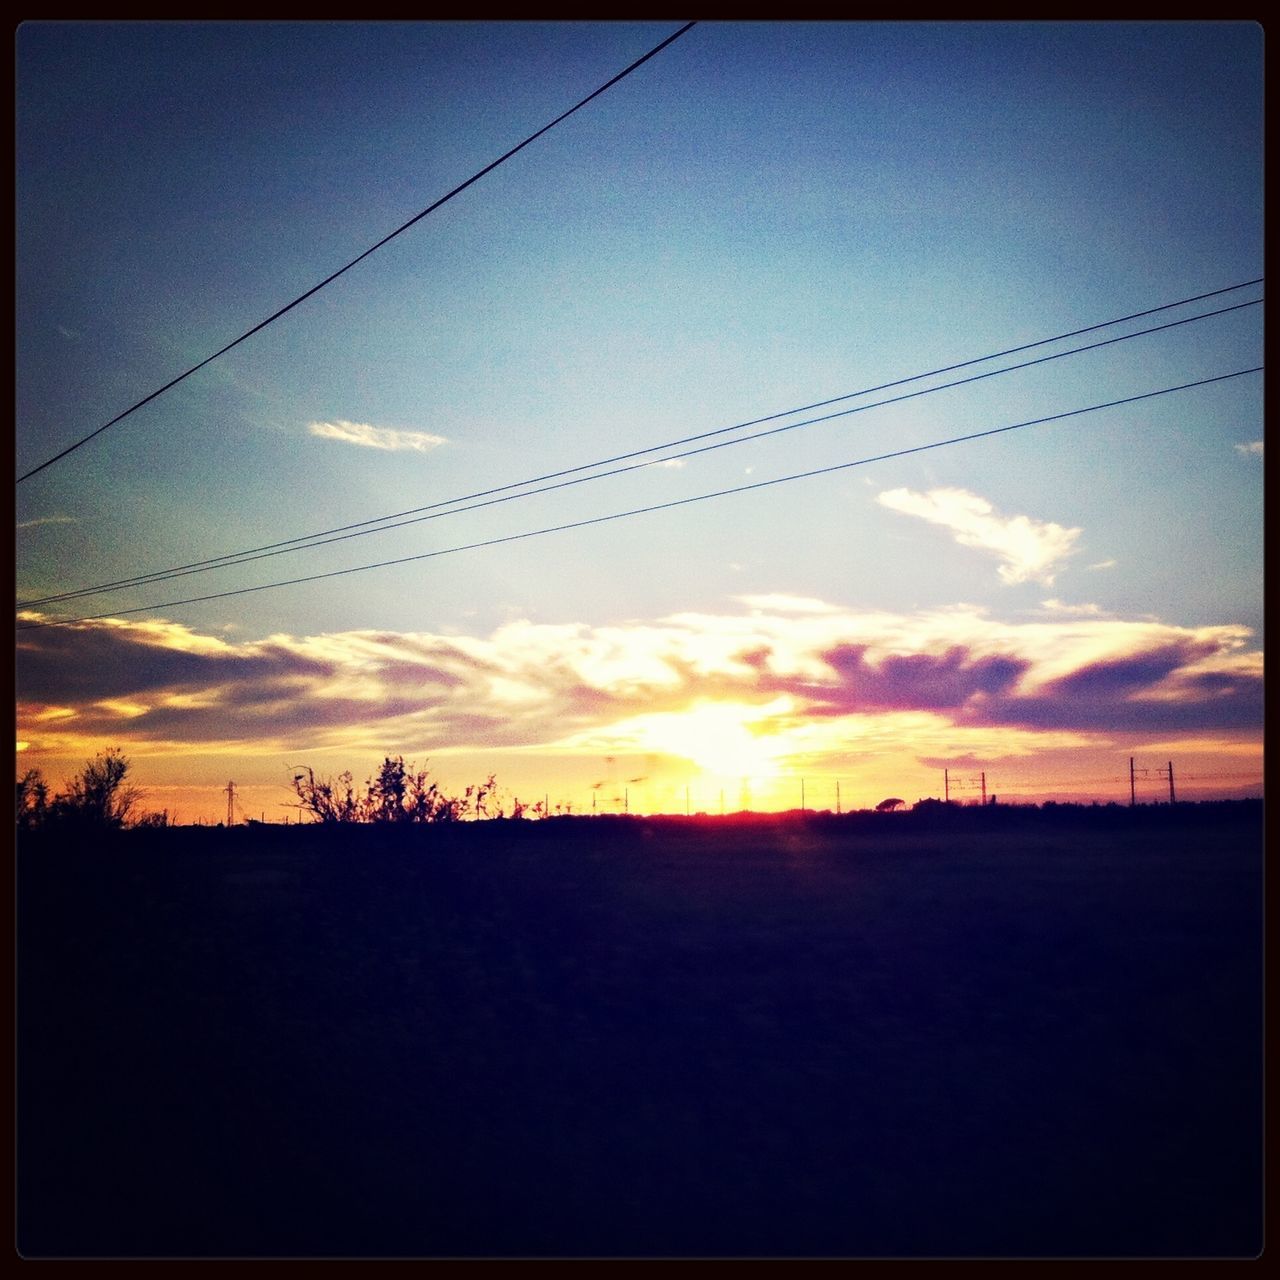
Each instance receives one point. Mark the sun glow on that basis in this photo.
(724, 739)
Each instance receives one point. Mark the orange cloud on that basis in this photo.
(822, 677)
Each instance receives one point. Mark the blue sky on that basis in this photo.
(761, 217)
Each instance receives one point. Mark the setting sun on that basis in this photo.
(724, 739)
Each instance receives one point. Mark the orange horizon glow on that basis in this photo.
(652, 782)
(786, 704)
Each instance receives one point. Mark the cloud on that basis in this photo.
(1253, 449)
(32, 524)
(779, 603)
(1102, 564)
(808, 680)
(671, 464)
(946, 681)
(1031, 550)
(1060, 608)
(360, 433)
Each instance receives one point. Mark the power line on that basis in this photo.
(1138, 772)
(1216, 777)
(252, 553)
(661, 506)
(475, 177)
(1033, 784)
(361, 529)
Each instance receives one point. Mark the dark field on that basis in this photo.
(973, 1034)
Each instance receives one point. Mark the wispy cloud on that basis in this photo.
(786, 604)
(1031, 550)
(32, 524)
(369, 437)
(1253, 449)
(1061, 608)
(1103, 564)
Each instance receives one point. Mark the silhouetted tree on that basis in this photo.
(98, 797)
(32, 800)
(386, 792)
(888, 806)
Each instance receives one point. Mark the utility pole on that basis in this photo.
(626, 800)
(837, 797)
(231, 800)
(1172, 799)
(1132, 794)
(984, 789)
(946, 785)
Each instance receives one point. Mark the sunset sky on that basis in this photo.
(763, 217)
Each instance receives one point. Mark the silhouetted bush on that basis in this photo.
(394, 794)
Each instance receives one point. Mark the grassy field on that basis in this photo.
(1023, 1034)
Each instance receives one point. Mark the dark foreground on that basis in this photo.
(1038, 1036)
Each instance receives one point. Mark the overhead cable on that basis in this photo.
(636, 511)
(475, 177)
(399, 520)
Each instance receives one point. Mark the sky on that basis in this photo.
(763, 217)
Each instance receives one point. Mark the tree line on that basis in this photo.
(98, 798)
(101, 798)
(397, 793)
